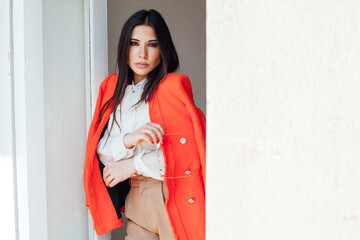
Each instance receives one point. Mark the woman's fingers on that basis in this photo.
(147, 138)
(159, 128)
(149, 132)
(159, 134)
(114, 182)
(118, 171)
(106, 175)
(110, 180)
(155, 131)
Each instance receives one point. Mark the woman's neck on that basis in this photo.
(136, 81)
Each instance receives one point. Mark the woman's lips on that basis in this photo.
(141, 65)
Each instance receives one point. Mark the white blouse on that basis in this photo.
(145, 158)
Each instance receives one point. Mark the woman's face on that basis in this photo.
(144, 52)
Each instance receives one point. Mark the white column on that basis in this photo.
(7, 155)
(98, 46)
(96, 67)
(65, 121)
(283, 107)
(29, 119)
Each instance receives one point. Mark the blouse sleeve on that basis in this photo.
(148, 164)
(113, 148)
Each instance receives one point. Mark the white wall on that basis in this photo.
(65, 118)
(284, 77)
(186, 22)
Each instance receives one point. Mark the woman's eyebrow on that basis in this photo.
(152, 40)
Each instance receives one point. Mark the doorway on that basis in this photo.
(187, 23)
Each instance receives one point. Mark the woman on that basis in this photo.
(146, 143)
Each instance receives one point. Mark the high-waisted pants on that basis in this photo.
(145, 210)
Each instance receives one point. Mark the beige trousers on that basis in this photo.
(145, 210)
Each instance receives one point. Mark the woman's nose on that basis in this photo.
(143, 52)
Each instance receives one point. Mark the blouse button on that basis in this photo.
(191, 200)
(187, 172)
(183, 140)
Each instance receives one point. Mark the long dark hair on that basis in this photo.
(169, 59)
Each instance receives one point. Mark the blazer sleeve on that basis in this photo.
(198, 119)
(90, 144)
(97, 110)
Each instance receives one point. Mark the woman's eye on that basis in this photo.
(133, 43)
(153, 45)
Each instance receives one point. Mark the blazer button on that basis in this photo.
(183, 140)
(187, 172)
(191, 200)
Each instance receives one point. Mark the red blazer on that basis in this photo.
(172, 106)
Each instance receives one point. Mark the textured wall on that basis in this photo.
(283, 103)
(64, 84)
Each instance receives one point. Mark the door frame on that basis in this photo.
(96, 68)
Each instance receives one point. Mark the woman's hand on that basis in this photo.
(118, 171)
(149, 132)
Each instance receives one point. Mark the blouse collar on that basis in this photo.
(139, 84)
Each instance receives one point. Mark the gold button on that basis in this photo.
(188, 172)
(183, 140)
(191, 200)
